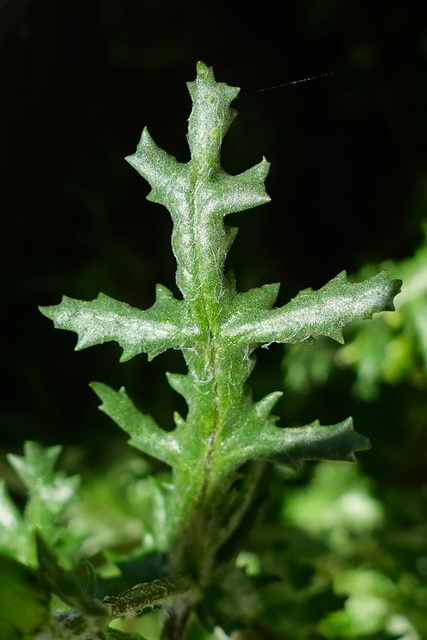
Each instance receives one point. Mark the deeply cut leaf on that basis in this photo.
(145, 433)
(50, 494)
(163, 326)
(292, 445)
(315, 313)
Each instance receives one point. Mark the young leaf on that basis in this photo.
(145, 433)
(290, 446)
(161, 327)
(315, 313)
(16, 537)
(50, 494)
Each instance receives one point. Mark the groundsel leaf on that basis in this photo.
(145, 434)
(314, 313)
(290, 446)
(162, 326)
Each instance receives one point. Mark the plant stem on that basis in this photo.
(175, 623)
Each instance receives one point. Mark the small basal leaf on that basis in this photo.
(150, 594)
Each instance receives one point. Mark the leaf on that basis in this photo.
(145, 434)
(16, 538)
(200, 193)
(37, 464)
(89, 617)
(162, 326)
(314, 313)
(24, 600)
(68, 587)
(50, 494)
(292, 445)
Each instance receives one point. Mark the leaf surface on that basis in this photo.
(314, 313)
(290, 446)
(16, 537)
(145, 434)
(50, 494)
(164, 326)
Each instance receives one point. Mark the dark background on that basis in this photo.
(80, 79)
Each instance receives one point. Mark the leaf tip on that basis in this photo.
(202, 70)
(100, 388)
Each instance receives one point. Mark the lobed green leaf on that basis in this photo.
(314, 313)
(50, 494)
(16, 537)
(164, 326)
(145, 434)
(292, 445)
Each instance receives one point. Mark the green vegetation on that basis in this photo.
(187, 509)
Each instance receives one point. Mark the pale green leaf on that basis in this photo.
(210, 117)
(292, 445)
(104, 319)
(217, 329)
(314, 313)
(50, 494)
(16, 537)
(145, 434)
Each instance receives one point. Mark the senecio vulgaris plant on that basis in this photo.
(217, 453)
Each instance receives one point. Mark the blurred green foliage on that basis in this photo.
(391, 350)
(375, 530)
